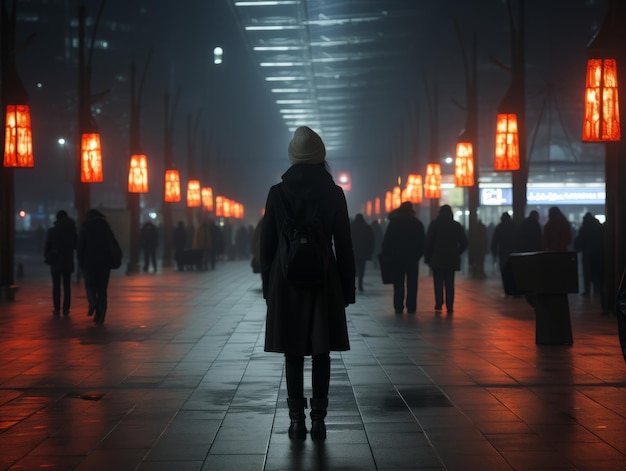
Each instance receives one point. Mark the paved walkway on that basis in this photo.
(177, 379)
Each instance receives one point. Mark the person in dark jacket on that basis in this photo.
(94, 257)
(403, 245)
(529, 234)
(305, 320)
(362, 246)
(503, 245)
(179, 239)
(557, 233)
(59, 249)
(590, 242)
(149, 241)
(445, 242)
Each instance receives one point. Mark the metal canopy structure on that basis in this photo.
(331, 65)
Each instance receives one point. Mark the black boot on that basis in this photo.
(318, 413)
(297, 429)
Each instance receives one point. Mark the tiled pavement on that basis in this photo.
(177, 379)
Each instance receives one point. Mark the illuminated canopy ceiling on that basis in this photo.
(329, 64)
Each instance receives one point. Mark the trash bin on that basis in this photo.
(546, 278)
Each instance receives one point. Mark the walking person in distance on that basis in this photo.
(95, 256)
(403, 244)
(59, 249)
(445, 242)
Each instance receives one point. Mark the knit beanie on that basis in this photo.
(306, 147)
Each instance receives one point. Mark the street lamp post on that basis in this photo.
(168, 154)
(433, 154)
(12, 93)
(511, 126)
(610, 43)
(86, 124)
(133, 198)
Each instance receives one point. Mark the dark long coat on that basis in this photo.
(404, 239)
(62, 238)
(93, 251)
(308, 320)
(445, 242)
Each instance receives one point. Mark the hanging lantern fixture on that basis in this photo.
(464, 164)
(193, 194)
(18, 137)
(138, 174)
(172, 186)
(432, 181)
(91, 158)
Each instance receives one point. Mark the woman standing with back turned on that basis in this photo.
(308, 319)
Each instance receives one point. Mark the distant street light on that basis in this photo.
(218, 54)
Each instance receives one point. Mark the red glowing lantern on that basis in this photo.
(432, 181)
(388, 201)
(219, 206)
(414, 188)
(368, 209)
(172, 186)
(396, 197)
(18, 137)
(601, 121)
(207, 198)
(464, 164)
(91, 158)
(193, 194)
(377, 206)
(507, 143)
(138, 174)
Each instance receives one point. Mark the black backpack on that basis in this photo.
(303, 248)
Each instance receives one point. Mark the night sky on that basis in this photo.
(245, 135)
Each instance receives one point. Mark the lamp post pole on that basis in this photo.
(433, 152)
(82, 194)
(133, 199)
(519, 178)
(168, 144)
(611, 39)
(11, 89)
(192, 131)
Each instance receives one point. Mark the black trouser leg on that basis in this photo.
(56, 289)
(294, 372)
(67, 290)
(412, 274)
(438, 278)
(319, 402)
(321, 375)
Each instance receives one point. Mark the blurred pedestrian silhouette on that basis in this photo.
(61, 240)
(179, 240)
(503, 245)
(477, 249)
(217, 242)
(95, 243)
(557, 233)
(307, 319)
(403, 246)
(590, 243)
(242, 243)
(378, 240)
(529, 234)
(149, 241)
(256, 247)
(362, 246)
(202, 241)
(445, 242)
